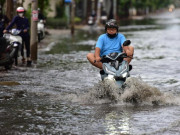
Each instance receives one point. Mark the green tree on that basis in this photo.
(153, 5)
(2, 4)
(44, 6)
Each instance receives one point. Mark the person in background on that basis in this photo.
(41, 16)
(3, 21)
(103, 17)
(22, 24)
(110, 42)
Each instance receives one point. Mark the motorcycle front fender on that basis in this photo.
(13, 52)
(15, 39)
(123, 69)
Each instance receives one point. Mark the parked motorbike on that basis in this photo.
(41, 30)
(15, 42)
(6, 54)
(115, 67)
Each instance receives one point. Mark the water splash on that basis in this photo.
(136, 92)
(103, 92)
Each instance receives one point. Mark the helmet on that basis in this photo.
(112, 23)
(20, 9)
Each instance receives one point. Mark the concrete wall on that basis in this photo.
(52, 5)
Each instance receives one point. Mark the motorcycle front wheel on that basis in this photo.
(40, 36)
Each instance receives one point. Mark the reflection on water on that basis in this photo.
(63, 94)
(117, 124)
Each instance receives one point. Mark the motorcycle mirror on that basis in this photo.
(126, 43)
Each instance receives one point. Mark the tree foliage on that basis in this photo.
(2, 3)
(152, 5)
(44, 6)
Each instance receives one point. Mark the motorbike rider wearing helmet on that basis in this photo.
(22, 23)
(3, 22)
(41, 16)
(110, 42)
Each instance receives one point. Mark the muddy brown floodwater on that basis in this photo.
(60, 95)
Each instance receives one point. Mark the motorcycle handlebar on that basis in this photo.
(105, 58)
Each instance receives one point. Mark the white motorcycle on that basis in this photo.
(15, 41)
(41, 30)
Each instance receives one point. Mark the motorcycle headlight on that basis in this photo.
(109, 71)
(124, 74)
(110, 77)
(15, 45)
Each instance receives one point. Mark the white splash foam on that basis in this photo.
(136, 91)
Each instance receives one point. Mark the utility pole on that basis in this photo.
(115, 9)
(85, 9)
(9, 9)
(15, 7)
(72, 16)
(67, 9)
(33, 41)
(99, 12)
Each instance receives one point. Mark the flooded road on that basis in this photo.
(58, 95)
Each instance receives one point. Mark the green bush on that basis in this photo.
(77, 20)
(56, 23)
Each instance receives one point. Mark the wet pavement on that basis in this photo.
(59, 94)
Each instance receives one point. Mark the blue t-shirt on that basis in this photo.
(109, 45)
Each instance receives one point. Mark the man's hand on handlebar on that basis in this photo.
(97, 59)
(25, 30)
(5, 31)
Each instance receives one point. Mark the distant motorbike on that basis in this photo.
(115, 67)
(91, 20)
(15, 42)
(41, 30)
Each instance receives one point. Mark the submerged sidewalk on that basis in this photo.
(52, 36)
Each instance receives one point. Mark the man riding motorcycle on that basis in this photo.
(110, 42)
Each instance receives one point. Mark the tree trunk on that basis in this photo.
(34, 34)
(9, 9)
(115, 9)
(72, 16)
(98, 12)
(111, 11)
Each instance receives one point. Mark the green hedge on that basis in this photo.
(56, 23)
(60, 22)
